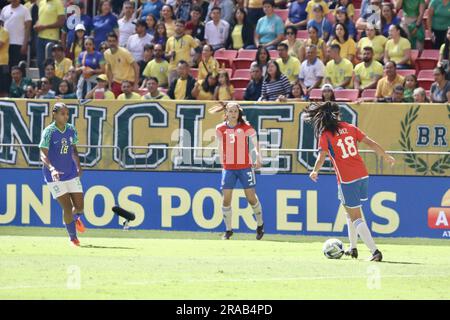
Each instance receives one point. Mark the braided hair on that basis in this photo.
(323, 117)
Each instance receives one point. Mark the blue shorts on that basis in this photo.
(351, 194)
(245, 176)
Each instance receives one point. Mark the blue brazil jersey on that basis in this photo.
(60, 150)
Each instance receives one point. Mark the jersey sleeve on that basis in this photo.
(323, 143)
(75, 136)
(249, 131)
(45, 139)
(359, 134)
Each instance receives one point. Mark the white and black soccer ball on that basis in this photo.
(333, 249)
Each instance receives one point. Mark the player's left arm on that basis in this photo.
(372, 144)
(319, 163)
(254, 140)
(75, 154)
(76, 157)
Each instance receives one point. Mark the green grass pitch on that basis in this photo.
(40, 263)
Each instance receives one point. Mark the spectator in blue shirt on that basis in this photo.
(298, 17)
(150, 7)
(320, 22)
(388, 18)
(342, 17)
(253, 90)
(270, 28)
(68, 31)
(104, 23)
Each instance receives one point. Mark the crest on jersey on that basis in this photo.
(64, 141)
(239, 131)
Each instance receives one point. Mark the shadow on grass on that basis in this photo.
(90, 246)
(400, 262)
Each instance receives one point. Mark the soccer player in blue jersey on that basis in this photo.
(62, 168)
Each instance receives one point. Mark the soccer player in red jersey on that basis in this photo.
(338, 140)
(233, 142)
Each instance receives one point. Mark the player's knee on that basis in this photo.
(79, 208)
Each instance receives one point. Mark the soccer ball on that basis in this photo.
(333, 249)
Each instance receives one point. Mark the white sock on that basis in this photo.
(257, 210)
(364, 233)
(352, 234)
(227, 217)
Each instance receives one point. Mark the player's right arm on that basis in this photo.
(319, 163)
(43, 146)
(378, 149)
(46, 161)
(219, 144)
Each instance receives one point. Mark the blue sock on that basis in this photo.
(77, 216)
(71, 230)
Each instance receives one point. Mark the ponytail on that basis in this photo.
(222, 106)
(324, 117)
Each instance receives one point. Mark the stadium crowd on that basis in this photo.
(255, 50)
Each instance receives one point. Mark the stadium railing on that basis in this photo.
(205, 158)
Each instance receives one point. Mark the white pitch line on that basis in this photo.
(145, 283)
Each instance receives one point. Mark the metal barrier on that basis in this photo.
(207, 158)
(28, 148)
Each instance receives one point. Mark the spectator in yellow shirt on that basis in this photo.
(225, 90)
(51, 20)
(208, 64)
(158, 68)
(127, 92)
(387, 84)
(338, 71)
(289, 65)
(120, 65)
(153, 92)
(5, 78)
(398, 49)
(101, 90)
(318, 42)
(205, 89)
(178, 47)
(347, 44)
(62, 64)
(167, 16)
(310, 6)
(368, 72)
(373, 39)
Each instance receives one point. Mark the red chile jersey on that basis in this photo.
(343, 151)
(234, 142)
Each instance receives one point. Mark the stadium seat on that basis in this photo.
(425, 78)
(241, 78)
(430, 53)
(315, 94)
(163, 90)
(357, 15)
(414, 56)
(406, 72)
(274, 54)
(428, 44)
(302, 34)
(242, 73)
(194, 73)
(239, 94)
(425, 64)
(244, 59)
(357, 4)
(368, 94)
(247, 53)
(346, 95)
(282, 13)
(225, 57)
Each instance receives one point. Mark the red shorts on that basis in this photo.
(116, 88)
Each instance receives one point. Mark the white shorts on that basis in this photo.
(60, 188)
